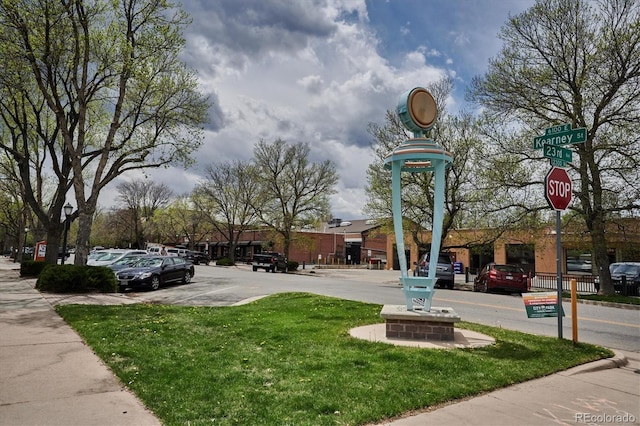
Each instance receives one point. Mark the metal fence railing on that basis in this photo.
(549, 281)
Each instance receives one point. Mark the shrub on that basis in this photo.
(76, 279)
(102, 279)
(292, 265)
(31, 268)
(224, 262)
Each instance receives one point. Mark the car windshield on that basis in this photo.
(143, 263)
(109, 256)
(508, 268)
(126, 260)
(97, 255)
(627, 269)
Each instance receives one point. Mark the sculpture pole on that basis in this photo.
(418, 112)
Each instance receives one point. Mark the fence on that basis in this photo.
(549, 281)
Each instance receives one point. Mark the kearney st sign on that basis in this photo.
(560, 135)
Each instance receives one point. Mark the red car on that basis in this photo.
(509, 278)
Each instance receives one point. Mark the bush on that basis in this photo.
(77, 279)
(224, 262)
(31, 268)
(292, 265)
(101, 279)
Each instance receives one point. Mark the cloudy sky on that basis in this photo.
(319, 71)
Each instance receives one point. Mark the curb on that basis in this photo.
(618, 360)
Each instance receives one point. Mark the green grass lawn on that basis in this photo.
(289, 359)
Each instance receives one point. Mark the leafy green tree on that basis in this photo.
(180, 222)
(105, 78)
(293, 190)
(577, 62)
(14, 213)
(224, 199)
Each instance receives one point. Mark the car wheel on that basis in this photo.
(255, 268)
(187, 277)
(155, 282)
(450, 285)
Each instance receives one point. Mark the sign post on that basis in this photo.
(557, 184)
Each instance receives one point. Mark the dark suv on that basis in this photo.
(631, 273)
(269, 262)
(444, 269)
(197, 257)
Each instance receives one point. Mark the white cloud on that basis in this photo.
(304, 71)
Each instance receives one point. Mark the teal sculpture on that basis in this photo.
(418, 112)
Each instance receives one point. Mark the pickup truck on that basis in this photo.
(269, 262)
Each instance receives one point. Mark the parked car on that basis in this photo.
(110, 256)
(631, 272)
(175, 251)
(268, 261)
(197, 257)
(126, 261)
(154, 250)
(493, 276)
(155, 271)
(444, 269)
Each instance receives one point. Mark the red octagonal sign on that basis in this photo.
(558, 188)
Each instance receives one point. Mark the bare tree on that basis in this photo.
(141, 198)
(293, 190)
(577, 62)
(224, 199)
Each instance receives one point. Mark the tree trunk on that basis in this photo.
(85, 221)
(598, 240)
(54, 241)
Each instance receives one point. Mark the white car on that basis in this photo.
(110, 256)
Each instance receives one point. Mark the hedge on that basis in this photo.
(77, 279)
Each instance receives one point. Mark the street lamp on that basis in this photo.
(68, 208)
(24, 245)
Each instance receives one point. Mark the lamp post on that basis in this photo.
(24, 245)
(68, 208)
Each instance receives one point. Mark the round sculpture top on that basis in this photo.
(417, 110)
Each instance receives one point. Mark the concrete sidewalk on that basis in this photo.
(48, 376)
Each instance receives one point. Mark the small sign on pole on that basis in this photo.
(541, 304)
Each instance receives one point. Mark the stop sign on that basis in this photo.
(558, 188)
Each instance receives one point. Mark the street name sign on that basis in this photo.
(559, 135)
(556, 152)
(558, 188)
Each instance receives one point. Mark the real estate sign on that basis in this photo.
(541, 304)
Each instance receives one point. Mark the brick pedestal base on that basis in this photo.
(437, 324)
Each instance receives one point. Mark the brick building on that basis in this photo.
(362, 241)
